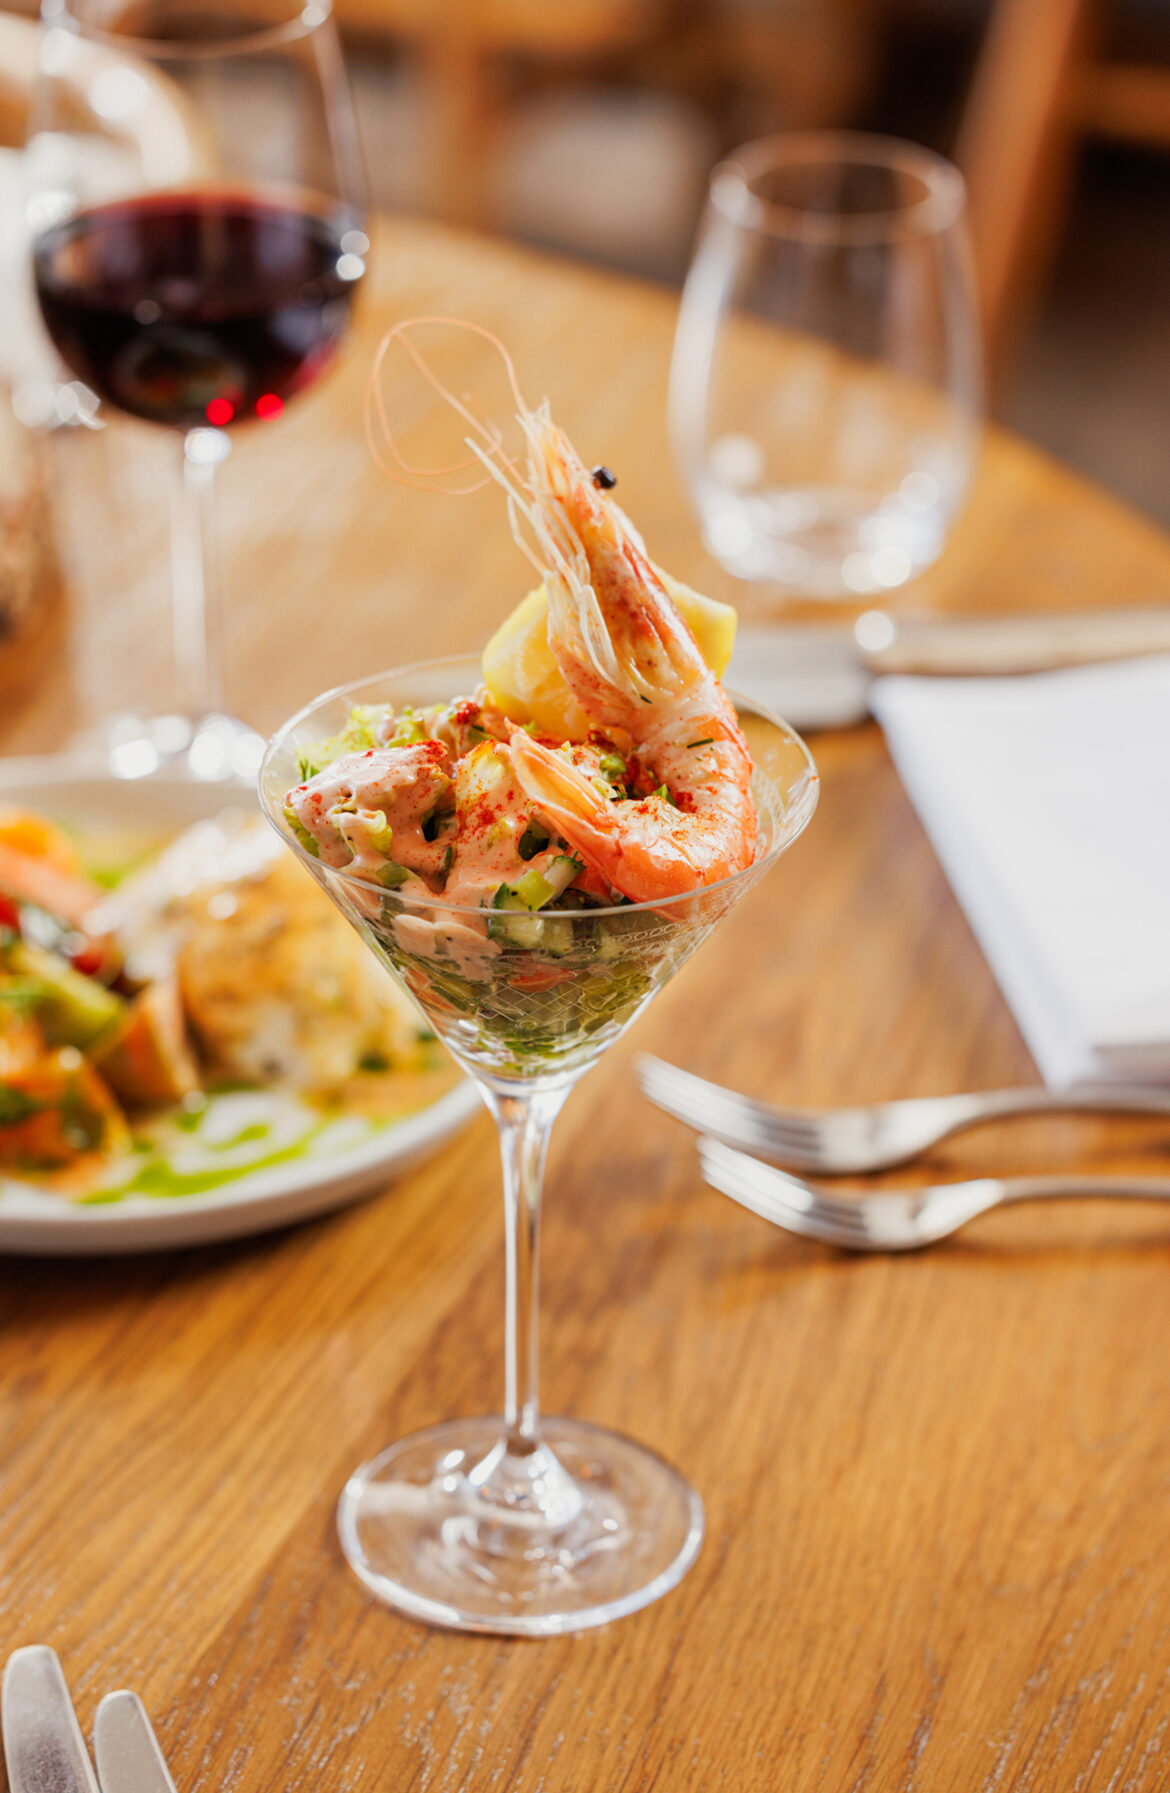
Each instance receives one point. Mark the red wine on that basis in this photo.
(190, 308)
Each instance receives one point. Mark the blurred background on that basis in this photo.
(589, 127)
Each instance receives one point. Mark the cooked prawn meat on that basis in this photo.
(632, 663)
(656, 802)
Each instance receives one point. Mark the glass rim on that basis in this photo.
(935, 210)
(281, 739)
(308, 17)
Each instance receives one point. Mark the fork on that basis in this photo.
(894, 1220)
(833, 1141)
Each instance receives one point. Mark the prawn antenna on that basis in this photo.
(533, 488)
(486, 440)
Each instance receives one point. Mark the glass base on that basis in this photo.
(450, 1528)
(822, 543)
(209, 748)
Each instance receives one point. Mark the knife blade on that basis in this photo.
(43, 1745)
(819, 677)
(126, 1749)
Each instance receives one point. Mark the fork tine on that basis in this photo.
(744, 1177)
(727, 1179)
(764, 1180)
(681, 1091)
(773, 1195)
(684, 1093)
(710, 1108)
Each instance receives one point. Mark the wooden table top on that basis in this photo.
(936, 1486)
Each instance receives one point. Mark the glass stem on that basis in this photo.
(525, 1121)
(197, 612)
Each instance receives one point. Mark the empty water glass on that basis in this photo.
(840, 264)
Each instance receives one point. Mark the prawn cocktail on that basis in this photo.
(535, 844)
(487, 828)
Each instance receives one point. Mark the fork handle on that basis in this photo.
(1086, 1098)
(1028, 1189)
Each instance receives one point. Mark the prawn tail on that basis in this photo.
(568, 800)
(553, 783)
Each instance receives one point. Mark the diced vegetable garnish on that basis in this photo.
(73, 1010)
(38, 838)
(54, 1107)
(24, 878)
(533, 889)
(534, 840)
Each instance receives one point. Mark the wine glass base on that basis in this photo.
(211, 748)
(416, 1529)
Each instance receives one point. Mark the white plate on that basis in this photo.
(79, 789)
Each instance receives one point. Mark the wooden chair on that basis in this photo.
(461, 45)
(1039, 89)
(18, 61)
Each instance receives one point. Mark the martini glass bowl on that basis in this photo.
(517, 1523)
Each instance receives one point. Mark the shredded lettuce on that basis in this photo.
(298, 828)
(409, 729)
(358, 735)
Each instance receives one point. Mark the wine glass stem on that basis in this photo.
(525, 1120)
(197, 610)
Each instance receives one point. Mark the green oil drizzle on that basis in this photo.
(159, 1178)
(245, 1137)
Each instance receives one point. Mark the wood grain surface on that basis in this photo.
(938, 1487)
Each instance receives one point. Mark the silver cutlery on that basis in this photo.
(837, 1141)
(893, 1220)
(820, 677)
(126, 1749)
(43, 1745)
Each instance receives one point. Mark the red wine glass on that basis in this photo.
(196, 211)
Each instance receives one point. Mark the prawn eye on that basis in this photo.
(604, 479)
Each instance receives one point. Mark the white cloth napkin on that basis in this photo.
(1047, 798)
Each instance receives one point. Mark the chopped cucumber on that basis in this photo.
(513, 927)
(533, 933)
(557, 937)
(561, 871)
(534, 889)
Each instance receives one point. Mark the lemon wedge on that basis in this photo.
(525, 682)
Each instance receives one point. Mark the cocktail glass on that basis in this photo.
(518, 1523)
